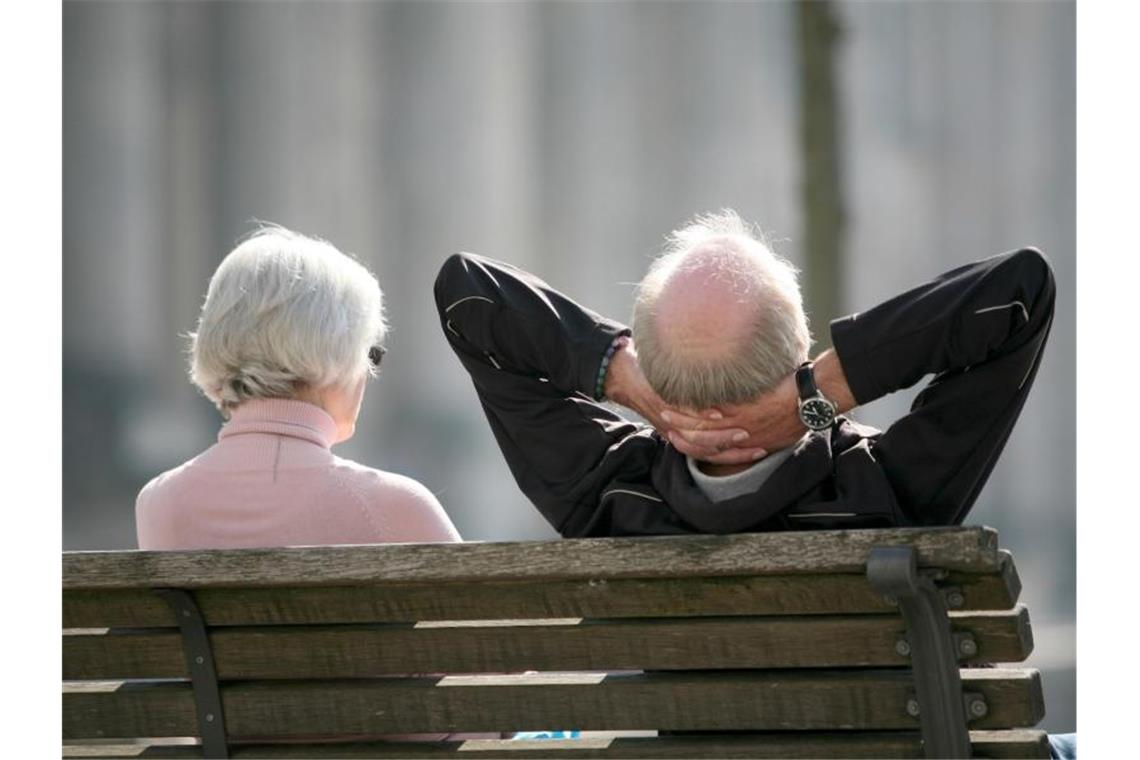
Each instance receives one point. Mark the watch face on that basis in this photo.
(817, 413)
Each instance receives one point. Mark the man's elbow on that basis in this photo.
(1036, 273)
(453, 271)
(1034, 261)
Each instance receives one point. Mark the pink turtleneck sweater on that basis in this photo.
(271, 480)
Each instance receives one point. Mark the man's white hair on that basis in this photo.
(779, 338)
(284, 312)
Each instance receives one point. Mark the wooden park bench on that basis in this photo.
(813, 644)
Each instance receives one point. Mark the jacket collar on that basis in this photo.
(810, 462)
(275, 416)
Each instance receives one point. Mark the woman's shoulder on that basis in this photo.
(165, 482)
(158, 514)
(380, 481)
(399, 495)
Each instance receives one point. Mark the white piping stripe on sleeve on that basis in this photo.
(468, 298)
(632, 493)
(453, 331)
(492, 360)
(1024, 311)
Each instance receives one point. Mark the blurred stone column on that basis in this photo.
(821, 186)
(113, 142)
(113, 148)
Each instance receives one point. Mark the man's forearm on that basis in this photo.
(519, 324)
(951, 323)
(948, 324)
(832, 381)
(533, 356)
(952, 308)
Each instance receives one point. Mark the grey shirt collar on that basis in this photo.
(722, 488)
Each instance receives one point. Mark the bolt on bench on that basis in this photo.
(791, 645)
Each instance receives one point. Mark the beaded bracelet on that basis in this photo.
(600, 386)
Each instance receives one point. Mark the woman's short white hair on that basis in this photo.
(779, 340)
(284, 312)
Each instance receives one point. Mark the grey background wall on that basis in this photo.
(566, 138)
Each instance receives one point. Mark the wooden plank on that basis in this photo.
(998, 636)
(1017, 743)
(1009, 577)
(744, 595)
(1013, 695)
(105, 749)
(110, 710)
(729, 700)
(967, 549)
(323, 652)
(894, 744)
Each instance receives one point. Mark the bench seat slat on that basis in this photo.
(741, 595)
(299, 652)
(726, 700)
(1018, 743)
(972, 549)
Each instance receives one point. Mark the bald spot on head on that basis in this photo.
(707, 307)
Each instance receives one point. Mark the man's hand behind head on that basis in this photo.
(693, 435)
(771, 420)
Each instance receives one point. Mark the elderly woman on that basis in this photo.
(289, 335)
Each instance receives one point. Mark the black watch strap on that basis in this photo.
(805, 381)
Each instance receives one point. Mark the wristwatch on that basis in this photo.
(817, 411)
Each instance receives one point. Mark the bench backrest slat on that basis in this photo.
(968, 549)
(596, 598)
(677, 644)
(792, 700)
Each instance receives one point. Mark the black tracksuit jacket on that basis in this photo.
(534, 354)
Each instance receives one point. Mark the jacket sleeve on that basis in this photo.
(980, 330)
(534, 355)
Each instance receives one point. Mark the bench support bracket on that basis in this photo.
(203, 675)
(893, 571)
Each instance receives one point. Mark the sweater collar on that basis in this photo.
(724, 487)
(298, 419)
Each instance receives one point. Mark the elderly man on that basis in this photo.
(744, 433)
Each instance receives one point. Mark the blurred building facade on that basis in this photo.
(568, 139)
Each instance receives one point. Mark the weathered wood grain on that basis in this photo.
(711, 588)
(1016, 743)
(663, 644)
(727, 700)
(1008, 571)
(1014, 696)
(996, 635)
(895, 744)
(117, 711)
(968, 549)
(597, 598)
